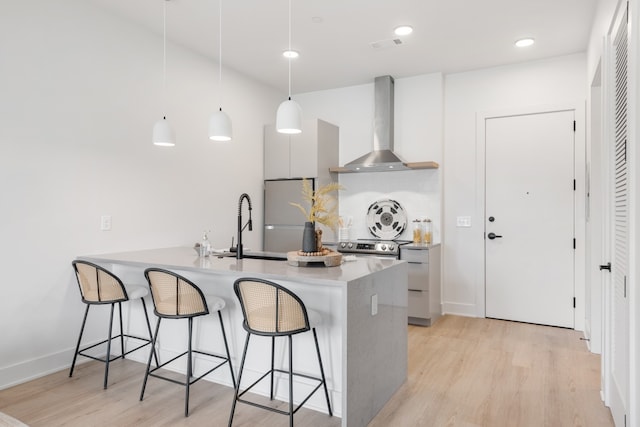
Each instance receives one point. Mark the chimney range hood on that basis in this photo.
(382, 158)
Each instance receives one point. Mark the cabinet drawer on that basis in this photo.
(418, 277)
(419, 304)
(415, 256)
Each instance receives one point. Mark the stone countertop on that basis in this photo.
(185, 258)
(419, 246)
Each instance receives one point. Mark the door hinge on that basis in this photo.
(574, 243)
(574, 185)
(574, 302)
(574, 125)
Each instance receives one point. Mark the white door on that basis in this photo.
(529, 214)
(618, 327)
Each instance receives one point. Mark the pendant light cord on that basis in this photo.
(289, 49)
(164, 60)
(220, 51)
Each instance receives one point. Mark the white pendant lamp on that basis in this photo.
(289, 115)
(220, 123)
(162, 133)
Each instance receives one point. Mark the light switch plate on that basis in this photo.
(463, 221)
(105, 222)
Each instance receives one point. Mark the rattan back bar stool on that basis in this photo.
(272, 310)
(176, 297)
(98, 286)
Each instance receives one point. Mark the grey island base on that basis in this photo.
(363, 335)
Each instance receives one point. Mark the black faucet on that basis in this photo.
(240, 226)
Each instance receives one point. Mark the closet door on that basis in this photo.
(619, 320)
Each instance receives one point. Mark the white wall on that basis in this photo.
(80, 92)
(558, 81)
(418, 137)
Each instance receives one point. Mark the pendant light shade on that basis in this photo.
(220, 127)
(289, 117)
(220, 123)
(162, 134)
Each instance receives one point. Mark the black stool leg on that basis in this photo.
(273, 346)
(121, 331)
(226, 347)
(153, 344)
(235, 397)
(290, 381)
(75, 355)
(189, 369)
(324, 381)
(108, 358)
(146, 316)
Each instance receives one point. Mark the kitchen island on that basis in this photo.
(363, 335)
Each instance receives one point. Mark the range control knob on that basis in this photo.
(391, 247)
(343, 245)
(383, 247)
(350, 245)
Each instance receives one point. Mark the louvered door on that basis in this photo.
(619, 297)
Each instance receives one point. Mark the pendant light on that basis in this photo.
(289, 116)
(162, 133)
(220, 123)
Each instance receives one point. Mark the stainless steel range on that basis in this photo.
(372, 247)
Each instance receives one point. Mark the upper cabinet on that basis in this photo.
(309, 154)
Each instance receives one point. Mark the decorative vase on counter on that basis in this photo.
(309, 237)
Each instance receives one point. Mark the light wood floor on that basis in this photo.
(462, 372)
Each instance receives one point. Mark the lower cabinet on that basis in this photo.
(424, 283)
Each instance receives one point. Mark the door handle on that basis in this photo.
(606, 266)
(493, 235)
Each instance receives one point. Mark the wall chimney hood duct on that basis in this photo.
(382, 158)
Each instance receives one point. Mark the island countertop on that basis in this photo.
(363, 335)
(186, 259)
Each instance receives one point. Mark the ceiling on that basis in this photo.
(334, 37)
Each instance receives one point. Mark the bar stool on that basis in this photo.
(271, 310)
(176, 297)
(99, 286)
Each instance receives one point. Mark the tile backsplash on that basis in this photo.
(417, 191)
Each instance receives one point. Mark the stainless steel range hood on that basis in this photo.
(382, 158)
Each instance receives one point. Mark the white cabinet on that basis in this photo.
(309, 154)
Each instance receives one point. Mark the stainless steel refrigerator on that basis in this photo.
(283, 223)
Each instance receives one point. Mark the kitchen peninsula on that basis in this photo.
(363, 335)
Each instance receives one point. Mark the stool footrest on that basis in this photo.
(188, 380)
(121, 356)
(279, 411)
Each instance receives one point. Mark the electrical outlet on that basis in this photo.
(374, 304)
(105, 223)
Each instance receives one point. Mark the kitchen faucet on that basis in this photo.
(240, 226)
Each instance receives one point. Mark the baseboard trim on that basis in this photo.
(35, 368)
(458, 309)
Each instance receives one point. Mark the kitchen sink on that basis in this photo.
(267, 256)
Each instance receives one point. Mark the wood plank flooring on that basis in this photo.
(462, 372)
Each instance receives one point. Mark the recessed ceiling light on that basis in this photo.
(525, 42)
(403, 30)
(291, 54)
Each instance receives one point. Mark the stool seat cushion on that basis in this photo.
(136, 291)
(214, 303)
